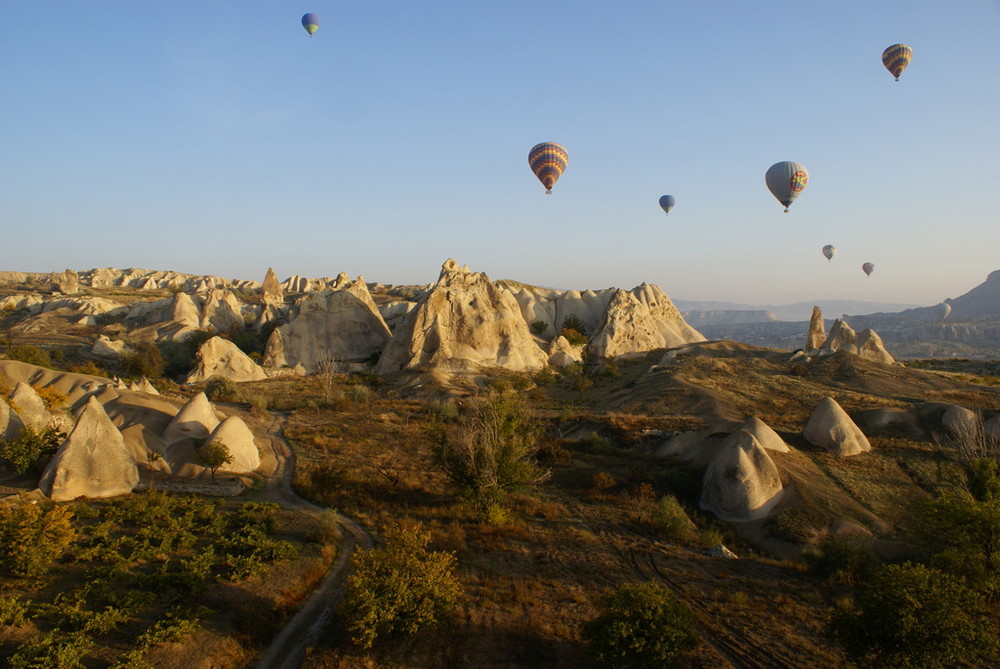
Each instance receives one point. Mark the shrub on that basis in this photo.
(214, 455)
(180, 356)
(30, 354)
(220, 389)
(574, 336)
(545, 376)
(573, 322)
(51, 397)
(53, 649)
(13, 611)
(24, 450)
(538, 327)
(842, 560)
(31, 538)
(144, 359)
(399, 587)
(89, 367)
(601, 483)
(640, 625)
(669, 520)
(909, 615)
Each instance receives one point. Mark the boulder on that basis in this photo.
(330, 326)
(222, 358)
(110, 349)
(238, 438)
(764, 435)
(10, 423)
(831, 429)
(563, 354)
(30, 407)
(93, 460)
(195, 420)
(741, 482)
(960, 422)
(639, 321)
(816, 336)
(465, 322)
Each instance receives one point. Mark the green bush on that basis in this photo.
(56, 649)
(144, 359)
(399, 587)
(180, 357)
(13, 611)
(24, 450)
(220, 389)
(213, 455)
(538, 327)
(30, 354)
(669, 519)
(842, 560)
(909, 615)
(640, 625)
(33, 538)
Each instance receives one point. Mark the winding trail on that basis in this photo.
(288, 649)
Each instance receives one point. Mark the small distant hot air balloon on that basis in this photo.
(943, 310)
(548, 161)
(786, 180)
(896, 58)
(868, 268)
(829, 250)
(311, 23)
(667, 203)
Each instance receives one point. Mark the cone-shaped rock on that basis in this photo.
(961, 422)
(195, 420)
(341, 325)
(271, 288)
(741, 482)
(10, 423)
(830, 428)
(764, 435)
(871, 347)
(238, 438)
(563, 354)
(641, 320)
(463, 323)
(222, 358)
(30, 407)
(92, 462)
(817, 331)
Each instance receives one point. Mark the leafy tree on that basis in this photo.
(640, 625)
(32, 538)
(24, 450)
(145, 359)
(214, 455)
(399, 587)
(910, 615)
(180, 356)
(494, 452)
(30, 354)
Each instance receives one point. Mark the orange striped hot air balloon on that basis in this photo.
(896, 58)
(548, 161)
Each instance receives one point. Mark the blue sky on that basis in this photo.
(217, 137)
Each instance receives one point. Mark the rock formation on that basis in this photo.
(108, 348)
(220, 312)
(641, 320)
(10, 423)
(463, 323)
(867, 345)
(66, 282)
(817, 331)
(764, 435)
(830, 428)
(328, 327)
(222, 358)
(93, 460)
(237, 437)
(960, 422)
(30, 407)
(195, 420)
(271, 288)
(742, 482)
(563, 354)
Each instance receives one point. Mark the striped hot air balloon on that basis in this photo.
(311, 23)
(786, 180)
(548, 161)
(896, 58)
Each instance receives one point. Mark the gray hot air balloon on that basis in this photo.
(868, 268)
(943, 310)
(786, 180)
(829, 250)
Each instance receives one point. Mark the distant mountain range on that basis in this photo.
(798, 311)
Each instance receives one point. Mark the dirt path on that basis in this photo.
(289, 647)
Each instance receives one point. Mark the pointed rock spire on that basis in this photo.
(195, 420)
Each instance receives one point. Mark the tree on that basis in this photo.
(24, 450)
(214, 455)
(494, 452)
(32, 538)
(399, 587)
(145, 359)
(910, 615)
(640, 625)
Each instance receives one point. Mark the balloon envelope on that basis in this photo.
(548, 161)
(943, 310)
(896, 58)
(868, 268)
(311, 23)
(829, 250)
(667, 203)
(786, 180)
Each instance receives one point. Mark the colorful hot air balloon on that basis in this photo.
(786, 180)
(829, 250)
(896, 58)
(548, 161)
(311, 23)
(868, 268)
(667, 203)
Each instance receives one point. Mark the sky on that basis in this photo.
(218, 137)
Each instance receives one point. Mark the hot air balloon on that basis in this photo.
(896, 58)
(548, 161)
(667, 203)
(311, 23)
(786, 180)
(829, 250)
(943, 310)
(868, 268)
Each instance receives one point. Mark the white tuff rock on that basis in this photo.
(830, 428)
